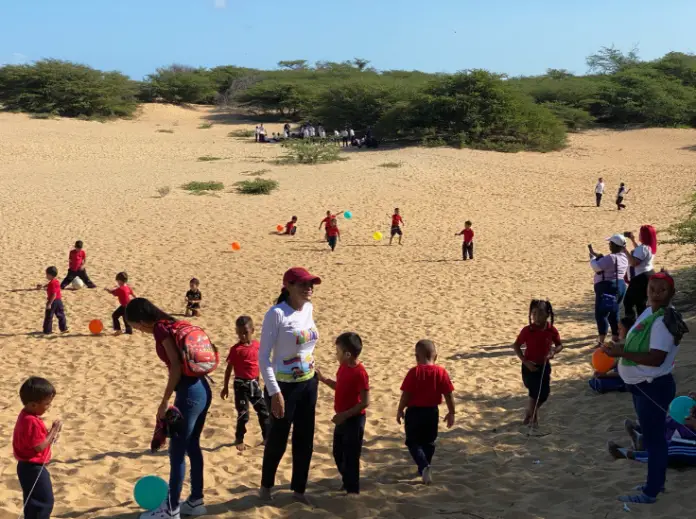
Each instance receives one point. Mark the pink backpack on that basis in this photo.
(199, 356)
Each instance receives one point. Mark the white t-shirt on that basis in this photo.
(622, 191)
(660, 339)
(599, 188)
(645, 255)
(288, 337)
(352, 133)
(262, 131)
(344, 133)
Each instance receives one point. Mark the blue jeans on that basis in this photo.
(193, 397)
(608, 318)
(651, 401)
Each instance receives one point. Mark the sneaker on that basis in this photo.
(193, 507)
(161, 513)
(636, 437)
(427, 476)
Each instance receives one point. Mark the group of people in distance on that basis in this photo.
(620, 195)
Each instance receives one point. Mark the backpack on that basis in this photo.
(199, 356)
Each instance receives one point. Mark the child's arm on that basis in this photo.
(327, 381)
(355, 410)
(50, 301)
(51, 437)
(226, 386)
(449, 418)
(403, 402)
(518, 351)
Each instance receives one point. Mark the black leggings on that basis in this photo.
(82, 274)
(121, 312)
(40, 503)
(636, 298)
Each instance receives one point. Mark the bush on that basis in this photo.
(257, 173)
(66, 89)
(684, 232)
(205, 126)
(164, 191)
(391, 164)
(303, 152)
(575, 119)
(203, 187)
(208, 158)
(242, 134)
(258, 186)
(179, 84)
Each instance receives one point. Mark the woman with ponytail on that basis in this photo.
(286, 359)
(640, 262)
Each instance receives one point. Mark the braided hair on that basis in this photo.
(544, 305)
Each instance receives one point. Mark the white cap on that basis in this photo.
(618, 239)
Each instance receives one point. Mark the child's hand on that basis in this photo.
(48, 306)
(321, 377)
(449, 420)
(224, 393)
(529, 365)
(399, 417)
(57, 426)
(107, 289)
(339, 418)
(39, 286)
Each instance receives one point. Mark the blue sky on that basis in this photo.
(510, 36)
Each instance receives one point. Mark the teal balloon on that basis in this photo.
(150, 492)
(680, 408)
(348, 215)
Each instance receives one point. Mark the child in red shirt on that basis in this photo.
(351, 398)
(542, 342)
(468, 244)
(54, 303)
(396, 224)
(421, 393)
(31, 443)
(243, 360)
(291, 227)
(124, 294)
(76, 267)
(333, 234)
(327, 221)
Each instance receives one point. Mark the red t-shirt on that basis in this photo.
(396, 220)
(289, 226)
(53, 288)
(327, 221)
(245, 360)
(124, 294)
(350, 381)
(162, 331)
(76, 259)
(332, 230)
(425, 384)
(29, 432)
(468, 235)
(538, 342)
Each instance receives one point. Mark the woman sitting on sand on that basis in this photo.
(646, 361)
(193, 397)
(641, 268)
(286, 359)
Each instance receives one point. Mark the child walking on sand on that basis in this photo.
(31, 443)
(124, 294)
(542, 342)
(620, 196)
(193, 299)
(243, 361)
(326, 222)
(333, 234)
(421, 393)
(351, 398)
(396, 223)
(468, 243)
(77, 260)
(54, 303)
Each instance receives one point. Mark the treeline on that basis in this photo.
(473, 108)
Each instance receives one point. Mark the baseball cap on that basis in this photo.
(300, 275)
(618, 239)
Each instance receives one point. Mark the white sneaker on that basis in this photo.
(161, 513)
(427, 476)
(193, 508)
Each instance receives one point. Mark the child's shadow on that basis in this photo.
(34, 289)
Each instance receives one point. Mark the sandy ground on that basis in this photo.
(533, 215)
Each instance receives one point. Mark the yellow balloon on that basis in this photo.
(377, 236)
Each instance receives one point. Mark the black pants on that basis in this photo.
(599, 198)
(121, 312)
(345, 141)
(82, 274)
(333, 240)
(636, 298)
(40, 504)
(538, 383)
(347, 445)
(58, 310)
(468, 250)
(300, 406)
(421, 432)
(619, 203)
(249, 392)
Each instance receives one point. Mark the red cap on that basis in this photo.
(300, 275)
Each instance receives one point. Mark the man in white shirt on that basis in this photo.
(599, 191)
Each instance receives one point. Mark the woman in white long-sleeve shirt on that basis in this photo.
(286, 359)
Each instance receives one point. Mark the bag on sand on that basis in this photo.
(199, 356)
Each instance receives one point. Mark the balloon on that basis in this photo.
(95, 326)
(348, 215)
(150, 492)
(680, 408)
(279, 228)
(236, 246)
(602, 362)
(77, 284)
(377, 236)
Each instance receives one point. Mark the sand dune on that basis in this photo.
(533, 215)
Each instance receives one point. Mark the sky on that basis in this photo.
(516, 37)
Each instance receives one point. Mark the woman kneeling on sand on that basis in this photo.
(193, 397)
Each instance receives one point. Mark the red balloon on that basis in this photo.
(96, 326)
(279, 228)
(601, 362)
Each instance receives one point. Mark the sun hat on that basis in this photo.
(618, 239)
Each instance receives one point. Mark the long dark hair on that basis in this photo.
(283, 297)
(141, 310)
(545, 305)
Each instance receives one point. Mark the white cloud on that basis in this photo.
(220, 4)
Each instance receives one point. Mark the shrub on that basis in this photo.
(164, 191)
(684, 232)
(391, 164)
(241, 134)
(257, 173)
(179, 84)
(205, 126)
(575, 119)
(303, 152)
(165, 131)
(258, 186)
(203, 187)
(208, 158)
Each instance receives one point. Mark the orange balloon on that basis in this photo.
(236, 246)
(601, 362)
(96, 326)
(279, 228)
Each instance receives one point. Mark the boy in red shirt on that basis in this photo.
(542, 342)
(468, 244)
(327, 221)
(54, 303)
(76, 267)
(291, 226)
(351, 398)
(243, 360)
(396, 224)
(421, 393)
(333, 234)
(124, 294)
(31, 443)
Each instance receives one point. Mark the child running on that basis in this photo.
(421, 393)
(468, 243)
(326, 222)
(54, 303)
(31, 443)
(333, 234)
(193, 299)
(76, 267)
(291, 226)
(351, 398)
(620, 196)
(542, 342)
(243, 361)
(124, 294)
(396, 223)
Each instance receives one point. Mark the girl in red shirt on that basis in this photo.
(542, 342)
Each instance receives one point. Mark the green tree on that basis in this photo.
(180, 84)
(295, 64)
(609, 60)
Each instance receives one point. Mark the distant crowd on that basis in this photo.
(345, 137)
